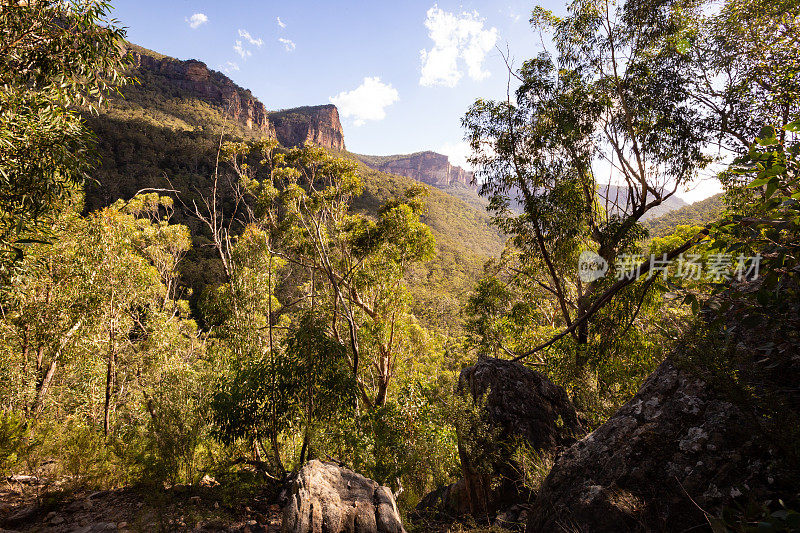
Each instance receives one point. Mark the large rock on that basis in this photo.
(519, 406)
(326, 498)
(676, 447)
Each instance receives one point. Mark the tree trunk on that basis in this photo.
(304, 448)
(110, 375)
(477, 486)
(43, 387)
(276, 451)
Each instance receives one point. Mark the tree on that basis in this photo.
(55, 58)
(104, 290)
(354, 266)
(638, 91)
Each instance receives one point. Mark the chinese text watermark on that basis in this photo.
(717, 267)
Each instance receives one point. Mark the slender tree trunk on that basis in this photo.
(276, 452)
(111, 369)
(383, 379)
(304, 447)
(43, 387)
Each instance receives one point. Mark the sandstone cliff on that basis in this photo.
(318, 124)
(194, 79)
(427, 167)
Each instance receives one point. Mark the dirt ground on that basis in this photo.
(27, 504)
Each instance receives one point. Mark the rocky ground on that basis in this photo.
(33, 505)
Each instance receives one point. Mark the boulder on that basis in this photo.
(677, 447)
(518, 405)
(327, 498)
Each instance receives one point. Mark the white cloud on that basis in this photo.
(244, 34)
(197, 20)
(280, 22)
(241, 50)
(288, 44)
(229, 67)
(368, 101)
(455, 36)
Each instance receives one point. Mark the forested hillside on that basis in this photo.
(214, 317)
(699, 213)
(165, 134)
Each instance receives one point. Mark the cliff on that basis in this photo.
(318, 124)
(193, 78)
(427, 167)
(165, 78)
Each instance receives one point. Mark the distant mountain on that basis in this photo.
(318, 124)
(696, 214)
(614, 198)
(427, 167)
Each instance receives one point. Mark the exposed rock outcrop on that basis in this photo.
(326, 498)
(427, 167)
(318, 124)
(194, 78)
(519, 405)
(676, 447)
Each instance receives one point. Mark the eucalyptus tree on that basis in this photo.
(359, 261)
(609, 104)
(56, 59)
(746, 68)
(96, 310)
(353, 265)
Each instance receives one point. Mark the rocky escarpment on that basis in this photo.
(194, 79)
(317, 124)
(677, 449)
(427, 167)
(172, 78)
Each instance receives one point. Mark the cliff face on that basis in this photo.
(427, 167)
(318, 124)
(194, 78)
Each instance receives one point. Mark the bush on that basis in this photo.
(13, 431)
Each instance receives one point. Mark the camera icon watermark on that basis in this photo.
(591, 267)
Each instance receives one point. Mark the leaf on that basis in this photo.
(683, 46)
(760, 182)
(793, 127)
(772, 186)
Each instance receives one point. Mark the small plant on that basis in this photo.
(532, 466)
(756, 518)
(13, 430)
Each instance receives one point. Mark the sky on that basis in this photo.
(402, 74)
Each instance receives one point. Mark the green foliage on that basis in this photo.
(13, 430)
(615, 91)
(172, 442)
(54, 56)
(756, 518)
(697, 214)
(767, 221)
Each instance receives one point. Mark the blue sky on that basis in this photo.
(329, 48)
(401, 73)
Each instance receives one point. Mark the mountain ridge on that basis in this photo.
(426, 166)
(193, 79)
